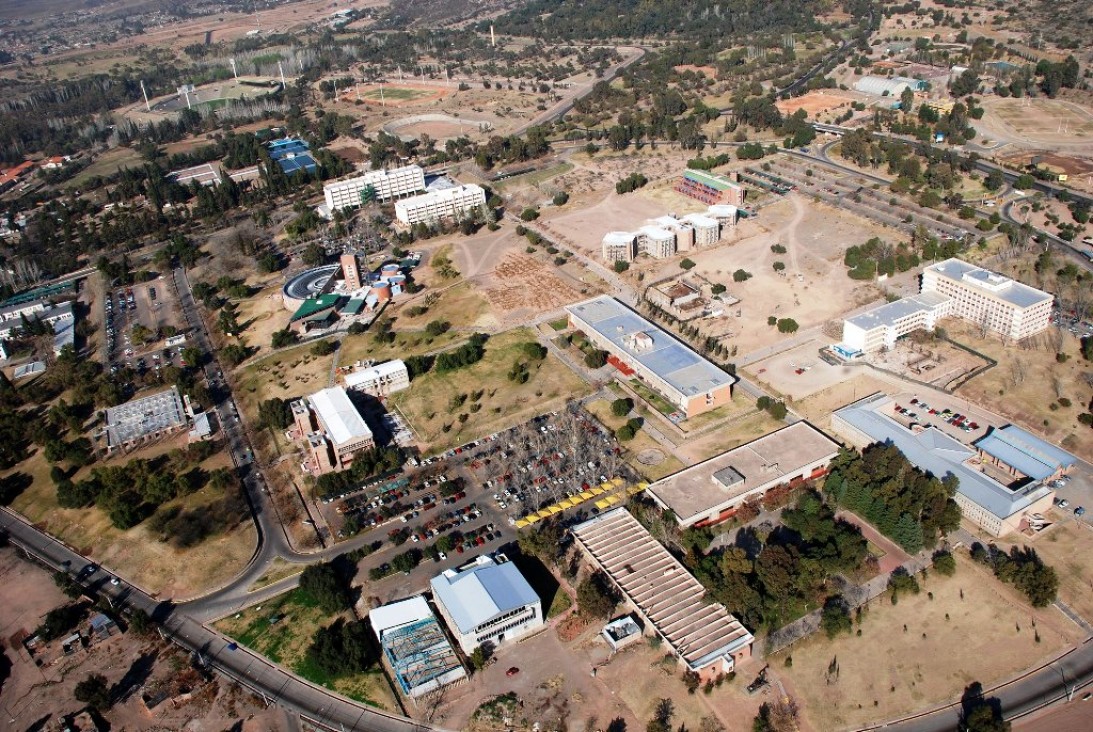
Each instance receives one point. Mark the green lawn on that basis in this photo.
(656, 401)
(281, 629)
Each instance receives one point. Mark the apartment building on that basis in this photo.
(1005, 306)
(710, 188)
(619, 246)
(447, 203)
(386, 185)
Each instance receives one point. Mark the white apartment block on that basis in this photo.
(443, 204)
(387, 184)
(665, 236)
(950, 288)
(380, 380)
(980, 296)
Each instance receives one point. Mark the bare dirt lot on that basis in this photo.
(1040, 120)
(1067, 546)
(131, 665)
(403, 94)
(813, 103)
(904, 658)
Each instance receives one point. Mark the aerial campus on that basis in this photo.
(546, 365)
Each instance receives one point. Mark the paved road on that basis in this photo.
(251, 670)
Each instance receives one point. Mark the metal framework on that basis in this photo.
(419, 653)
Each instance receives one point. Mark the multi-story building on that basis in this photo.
(380, 380)
(385, 184)
(950, 288)
(710, 188)
(619, 246)
(447, 203)
(707, 230)
(658, 243)
(666, 365)
(351, 272)
(880, 327)
(1005, 306)
(334, 430)
(486, 602)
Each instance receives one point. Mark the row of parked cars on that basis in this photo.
(947, 415)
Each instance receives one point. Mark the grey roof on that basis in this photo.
(1026, 452)
(670, 359)
(989, 282)
(935, 452)
(478, 594)
(142, 417)
(890, 313)
(699, 631)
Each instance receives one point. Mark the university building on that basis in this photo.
(446, 203)
(385, 184)
(334, 430)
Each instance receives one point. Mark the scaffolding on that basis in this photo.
(421, 657)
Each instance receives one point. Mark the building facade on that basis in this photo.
(333, 428)
(710, 188)
(380, 380)
(668, 366)
(386, 184)
(351, 272)
(486, 602)
(880, 327)
(619, 246)
(447, 203)
(1005, 306)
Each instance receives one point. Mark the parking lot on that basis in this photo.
(150, 305)
(467, 501)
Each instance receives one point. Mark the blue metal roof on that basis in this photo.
(300, 162)
(667, 357)
(935, 452)
(480, 593)
(1025, 452)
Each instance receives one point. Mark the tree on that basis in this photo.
(787, 325)
(437, 328)
(561, 198)
(323, 348)
(529, 214)
(595, 596)
(342, 648)
(662, 717)
(944, 563)
(621, 266)
(687, 264)
(94, 691)
(741, 275)
(595, 359)
(621, 407)
(836, 617)
(274, 413)
(284, 337)
(479, 658)
(325, 585)
(625, 433)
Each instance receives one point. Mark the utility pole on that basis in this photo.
(143, 91)
(282, 70)
(493, 38)
(235, 72)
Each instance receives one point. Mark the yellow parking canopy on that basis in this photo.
(543, 514)
(602, 504)
(554, 509)
(612, 500)
(521, 523)
(531, 518)
(567, 503)
(597, 491)
(585, 495)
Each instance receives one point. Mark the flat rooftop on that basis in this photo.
(668, 358)
(341, 419)
(889, 314)
(144, 416)
(373, 373)
(935, 452)
(699, 631)
(713, 180)
(989, 282)
(769, 460)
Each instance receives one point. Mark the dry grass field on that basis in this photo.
(1067, 547)
(288, 374)
(137, 554)
(1025, 383)
(922, 651)
(428, 403)
(814, 103)
(725, 438)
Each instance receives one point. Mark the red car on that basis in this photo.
(512, 671)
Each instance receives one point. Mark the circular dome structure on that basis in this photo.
(389, 270)
(309, 283)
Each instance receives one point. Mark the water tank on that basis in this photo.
(389, 270)
(382, 290)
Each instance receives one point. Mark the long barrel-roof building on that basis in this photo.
(702, 634)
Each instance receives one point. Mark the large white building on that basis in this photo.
(486, 601)
(333, 428)
(380, 380)
(447, 203)
(1006, 306)
(951, 288)
(387, 184)
(664, 236)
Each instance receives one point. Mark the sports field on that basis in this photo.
(402, 95)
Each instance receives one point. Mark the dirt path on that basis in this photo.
(790, 231)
